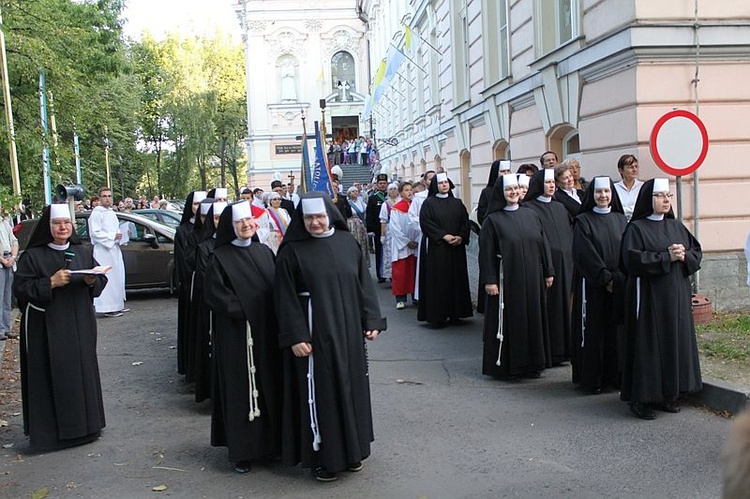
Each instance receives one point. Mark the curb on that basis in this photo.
(722, 396)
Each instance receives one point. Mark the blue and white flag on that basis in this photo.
(321, 175)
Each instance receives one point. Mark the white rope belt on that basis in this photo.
(583, 312)
(254, 409)
(192, 284)
(311, 403)
(637, 298)
(500, 307)
(26, 322)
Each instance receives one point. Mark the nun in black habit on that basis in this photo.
(515, 268)
(659, 255)
(184, 263)
(599, 286)
(61, 391)
(201, 356)
(196, 294)
(326, 296)
(246, 395)
(556, 223)
(444, 277)
(482, 205)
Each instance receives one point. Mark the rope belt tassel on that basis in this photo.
(500, 307)
(583, 312)
(254, 407)
(311, 403)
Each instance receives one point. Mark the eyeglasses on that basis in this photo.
(661, 195)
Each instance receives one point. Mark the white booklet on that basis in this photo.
(99, 270)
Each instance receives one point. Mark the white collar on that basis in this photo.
(512, 208)
(325, 234)
(602, 211)
(656, 218)
(544, 199)
(441, 195)
(192, 220)
(242, 243)
(59, 247)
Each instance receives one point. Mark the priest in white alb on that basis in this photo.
(105, 234)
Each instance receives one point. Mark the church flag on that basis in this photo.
(306, 180)
(321, 176)
(395, 58)
(368, 107)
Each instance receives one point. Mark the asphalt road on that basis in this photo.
(442, 430)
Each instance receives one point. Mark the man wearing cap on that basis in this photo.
(372, 217)
(444, 277)
(106, 236)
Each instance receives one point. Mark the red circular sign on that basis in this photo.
(679, 142)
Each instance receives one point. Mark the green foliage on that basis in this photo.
(172, 112)
(727, 336)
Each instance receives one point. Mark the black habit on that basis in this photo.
(372, 223)
(556, 223)
(327, 278)
(661, 361)
(184, 263)
(239, 291)
(444, 277)
(514, 241)
(597, 310)
(60, 386)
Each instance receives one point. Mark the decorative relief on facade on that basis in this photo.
(286, 42)
(256, 25)
(341, 40)
(313, 25)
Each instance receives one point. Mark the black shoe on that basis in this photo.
(671, 406)
(355, 467)
(595, 390)
(323, 475)
(12, 336)
(381, 280)
(533, 375)
(642, 411)
(242, 467)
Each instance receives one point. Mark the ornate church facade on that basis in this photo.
(299, 52)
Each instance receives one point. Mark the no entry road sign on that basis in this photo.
(679, 142)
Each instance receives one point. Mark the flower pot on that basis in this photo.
(702, 309)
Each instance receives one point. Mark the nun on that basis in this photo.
(515, 268)
(598, 290)
(60, 386)
(556, 223)
(246, 361)
(201, 358)
(444, 276)
(184, 262)
(328, 300)
(658, 255)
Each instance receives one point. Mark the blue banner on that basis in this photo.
(321, 176)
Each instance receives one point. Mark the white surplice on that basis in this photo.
(103, 228)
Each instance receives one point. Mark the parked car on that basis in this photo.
(148, 256)
(166, 217)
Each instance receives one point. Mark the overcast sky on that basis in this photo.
(185, 16)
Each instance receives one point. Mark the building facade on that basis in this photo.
(494, 79)
(299, 52)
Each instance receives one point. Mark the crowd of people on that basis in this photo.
(359, 151)
(276, 301)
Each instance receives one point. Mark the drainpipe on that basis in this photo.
(696, 196)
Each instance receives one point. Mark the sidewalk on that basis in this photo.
(717, 395)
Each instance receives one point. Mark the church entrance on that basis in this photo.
(344, 128)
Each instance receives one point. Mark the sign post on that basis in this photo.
(679, 145)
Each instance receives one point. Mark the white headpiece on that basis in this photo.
(199, 196)
(509, 179)
(523, 179)
(504, 165)
(392, 185)
(441, 177)
(59, 211)
(601, 183)
(221, 192)
(205, 207)
(661, 185)
(549, 174)
(241, 210)
(219, 207)
(313, 206)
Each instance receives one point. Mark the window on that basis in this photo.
(557, 23)
(459, 52)
(496, 40)
(343, 76)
